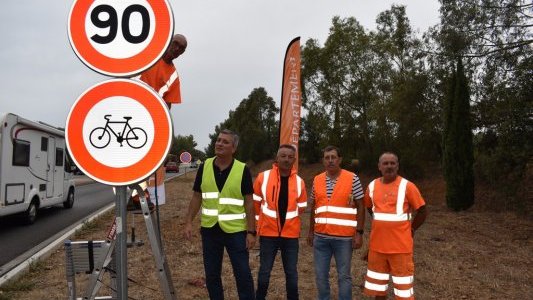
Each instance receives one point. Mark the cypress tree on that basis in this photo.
(458, 148)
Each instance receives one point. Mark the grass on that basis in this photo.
(10, 289)
(474, 254)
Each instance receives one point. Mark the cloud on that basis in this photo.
(234, 47)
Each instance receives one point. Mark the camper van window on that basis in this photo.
(44, 143)
(59, 157)
(21, 153)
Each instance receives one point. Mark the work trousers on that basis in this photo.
(269, 247)
(341, 249)
(214, 240)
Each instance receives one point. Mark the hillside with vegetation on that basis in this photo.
(473, 254)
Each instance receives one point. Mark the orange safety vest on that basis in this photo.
(397, 213)
(266, 193)
(335, 216)
(391, 205)
(164, 79)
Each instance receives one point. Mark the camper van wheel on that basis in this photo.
(31, 213)
(70, 199)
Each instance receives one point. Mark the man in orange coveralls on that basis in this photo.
(392, 199)
(164, 79)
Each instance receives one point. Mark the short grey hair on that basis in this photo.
(331, 148)
(389, 153)
(287, 146)
(233, 135)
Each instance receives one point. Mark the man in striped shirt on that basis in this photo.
(335, 227)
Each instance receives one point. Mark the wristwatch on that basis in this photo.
(252, 232)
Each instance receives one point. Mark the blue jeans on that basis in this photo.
(289, 256)
(324, 248)
(214, 240)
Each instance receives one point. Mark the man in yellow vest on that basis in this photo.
(335, 227)
(391, 199)
(223, 192)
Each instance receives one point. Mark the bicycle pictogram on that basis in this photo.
(100, 137)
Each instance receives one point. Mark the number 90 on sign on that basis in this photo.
(119, 31)
(109, 21)
(120, 38)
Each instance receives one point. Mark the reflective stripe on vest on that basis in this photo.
(230, 217)
(167, 84)
(231, 201)
(226, 217)
(299, 185)
(333, 214)
(272, 213)
(400, 215)
(227, 206)
(213, 195)
(335, 221)
(336, 209)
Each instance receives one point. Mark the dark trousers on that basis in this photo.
(214, 240)
(269, 247)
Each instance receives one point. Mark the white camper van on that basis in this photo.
(34, 172)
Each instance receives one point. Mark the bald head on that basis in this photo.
(180, 39)
(176, 48)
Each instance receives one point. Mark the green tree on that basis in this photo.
(458, 149)
(404, 112)
(187, 143)
(373, 89)
(338, 82)
(494, 39)
(254, 120)
(312, 137)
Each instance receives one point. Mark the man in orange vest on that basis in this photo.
(163, 78)
(391, 199)
(280, 198)
(335, 227)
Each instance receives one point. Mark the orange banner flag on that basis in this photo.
(291, 98)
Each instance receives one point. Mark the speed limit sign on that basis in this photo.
(120, 38)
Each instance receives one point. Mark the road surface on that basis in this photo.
(18, 242)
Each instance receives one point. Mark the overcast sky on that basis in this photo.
(234, 47)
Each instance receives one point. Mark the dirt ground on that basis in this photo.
(468, 255)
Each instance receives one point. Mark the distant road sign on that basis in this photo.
(120, 38)
(119, 132)
(185, 157)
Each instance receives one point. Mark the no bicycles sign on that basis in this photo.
(118, 132)
(120, 38)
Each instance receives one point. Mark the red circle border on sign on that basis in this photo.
(139, 92)
(120, 67)
(187, 153)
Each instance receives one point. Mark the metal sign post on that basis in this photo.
(121, 254)
(119, 131)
